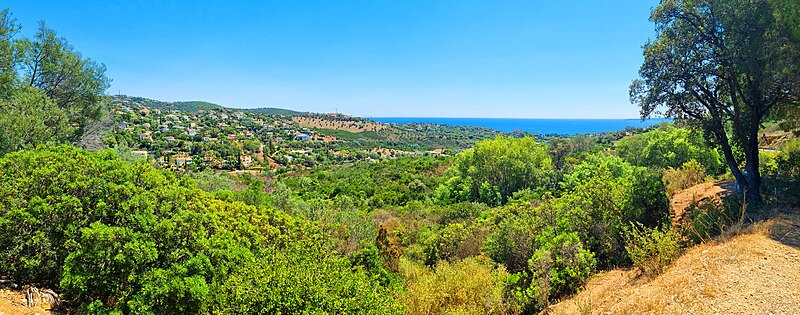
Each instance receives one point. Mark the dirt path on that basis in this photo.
(12, 302)
(700, 193)
(757, 272)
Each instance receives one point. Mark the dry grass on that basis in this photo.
(752, 270)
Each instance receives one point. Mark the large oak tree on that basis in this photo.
(724, 65)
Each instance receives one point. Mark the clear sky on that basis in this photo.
(525, 59)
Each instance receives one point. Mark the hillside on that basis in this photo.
(273, 111)
(194, 106)
(754, 272)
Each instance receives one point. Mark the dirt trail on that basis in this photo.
(12, 302)
(700, 193)
(755, 272)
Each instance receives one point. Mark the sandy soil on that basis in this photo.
(700, 193)
(756, 271)
(12, 302)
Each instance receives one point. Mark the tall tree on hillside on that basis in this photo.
(726, 65)
(56, 91)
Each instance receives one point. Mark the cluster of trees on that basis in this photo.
(49, 93)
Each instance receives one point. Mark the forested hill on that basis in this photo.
(194, 106)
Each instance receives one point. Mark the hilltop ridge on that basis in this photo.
(194, 106)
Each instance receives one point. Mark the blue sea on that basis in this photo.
(533, 125)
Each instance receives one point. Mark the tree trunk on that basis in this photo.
(753, 192)
(733, 165)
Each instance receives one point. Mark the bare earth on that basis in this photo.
(705, 192)
(13, 303)
(754, 272)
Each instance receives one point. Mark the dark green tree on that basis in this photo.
(725, 65)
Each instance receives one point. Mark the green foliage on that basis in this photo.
(559, 267)
(613, 193)
(652, 250)
(788, 159)
(497, 168)
(302, 279)
(49, 92)
(211, 182)
(454, 241)
(688, 175)
(542, 247)
(387, 183)
(114, 236)
(669, 147)
(469, 286)
(29, 118)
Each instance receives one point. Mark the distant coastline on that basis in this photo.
(534, 125)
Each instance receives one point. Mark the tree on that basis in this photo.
(47, 83)
(724, 65)
(502, 166)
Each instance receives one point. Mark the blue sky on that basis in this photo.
(524, 59)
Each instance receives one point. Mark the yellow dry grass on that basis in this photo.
(752, 270)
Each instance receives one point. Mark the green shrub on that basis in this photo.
(667, 147)
(558, 268)
(111, 236)
(470, 286)
(651, 249)
(496, 168)
(688, 175)
(788, 159)
(455, 241)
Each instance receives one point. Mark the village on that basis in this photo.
(226, 139)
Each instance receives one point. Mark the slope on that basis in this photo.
(756, 271)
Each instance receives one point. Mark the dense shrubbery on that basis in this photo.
(469, 286)
(688, 175)
(115, 236)
(495, 169)
(788, 159)
(670, 146)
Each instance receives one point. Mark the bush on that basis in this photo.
(669, 147)
(455, 241)
(608, 194)
(497, 168)
(789, 159)
(688, 175)
(651, 249)
(470, 286)
(111, 236)
(558, 268)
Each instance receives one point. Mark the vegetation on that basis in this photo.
(197, 208)
(652, 249)
(49, 92)
(115, 236)
(725, 65)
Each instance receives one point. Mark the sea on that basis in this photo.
(534, 125)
